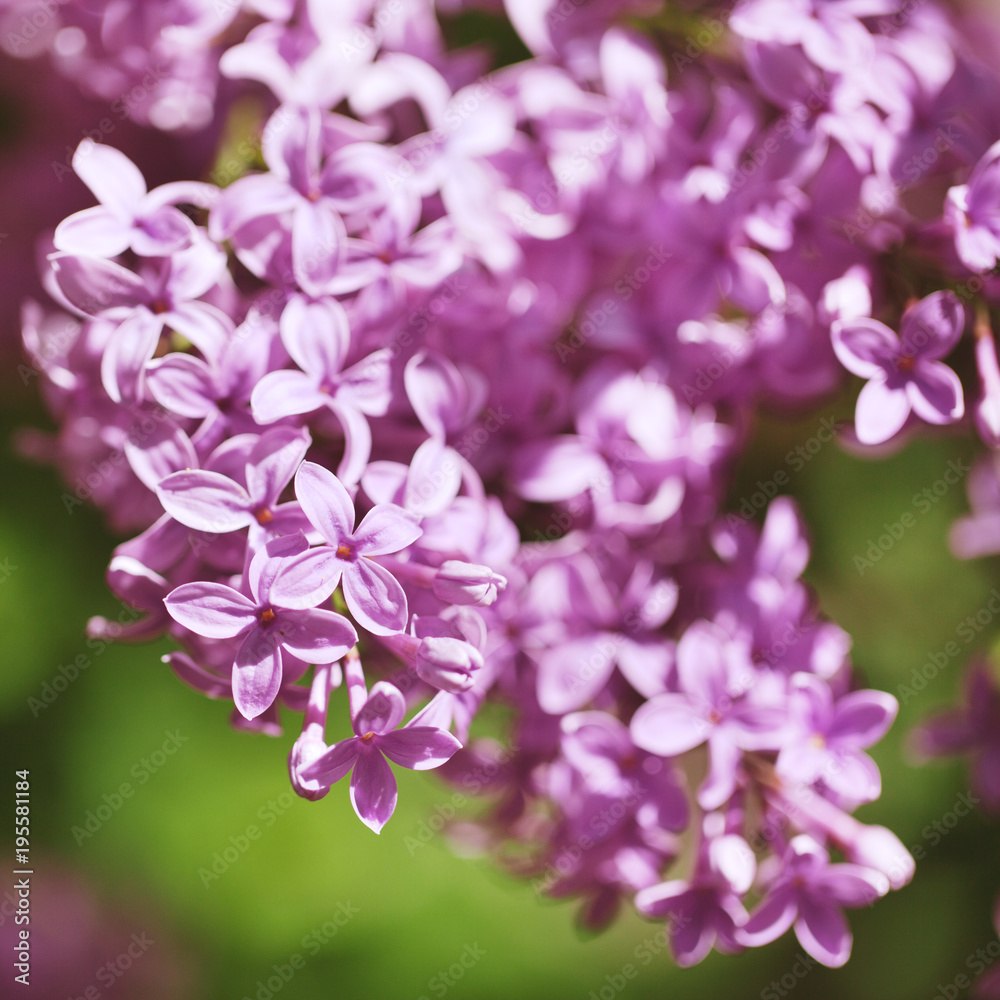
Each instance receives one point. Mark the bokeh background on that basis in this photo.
(386, 917)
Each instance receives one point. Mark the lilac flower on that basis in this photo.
(264, 628)
(809, 892)
(128, 216)
(168, 293)
(210, 501)
(973, 212)
(599, 746)
(524, 316)
(719, 703)
(317, 337)
(978, 533)
(704, 911)
(373, 595)
(972, 729)
(830, 735)
(904, 372)
(373, 787)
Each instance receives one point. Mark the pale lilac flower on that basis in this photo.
(210, 501)
(828, 737)
(263, 626)
(904, 372)
(973, 212)
(128, 216)
(373, 595)
(373, 787)
(809, 892)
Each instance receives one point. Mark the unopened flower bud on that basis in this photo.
(459, 582)
(448, 664)
(879, 848)
(307, 749)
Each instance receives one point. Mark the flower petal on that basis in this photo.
(775, 914)
(205, 501)
(862, 718)
(94, 285)
(382, 712)
(373, 789)
(865, 347)
(386, 528)
(316, 636)
(211, 609)
(285, 394)
(112, 177)
(935, 393)
(668, 725)
(257, 673)
(932, 327)
(308, 579)
(273, 461)
(97, 231)
(129, 349)
(375, 597)
(420, 748)
(182, 384)
(316, 334)
(325, 501)
(823, 932)
(334, 764)
(881, 412)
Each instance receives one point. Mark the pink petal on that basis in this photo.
(881, 412)
(559, 469)
(274, 461)
(771, 919)
(932, 327)
(211, 609)
(375, 598)
(357, 440)
(316, 636)
(386, 528)
(182, 384)
(373, 789)
(865, 346)
(669, 725)
(114, 180)
(365, 385)
(935, 393)
(317, 239)
(572, 673)
(285, 394)
(823, 932)
(723, 760)
(162, 231)
(129, 349)
(434, 479)
(316, 334)
(325, 501)
(256, 673)
(420, 748)
(862, 718)
(382, 712)
(852, 885)
(94, 285)
(334, 764)
(853, 775)
(205, 501)
(97, 231)
(308, 579)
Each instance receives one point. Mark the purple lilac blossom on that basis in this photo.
(453, 380)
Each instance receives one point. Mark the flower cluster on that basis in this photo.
(447, 389)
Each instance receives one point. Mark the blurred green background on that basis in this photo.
(416, 911)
